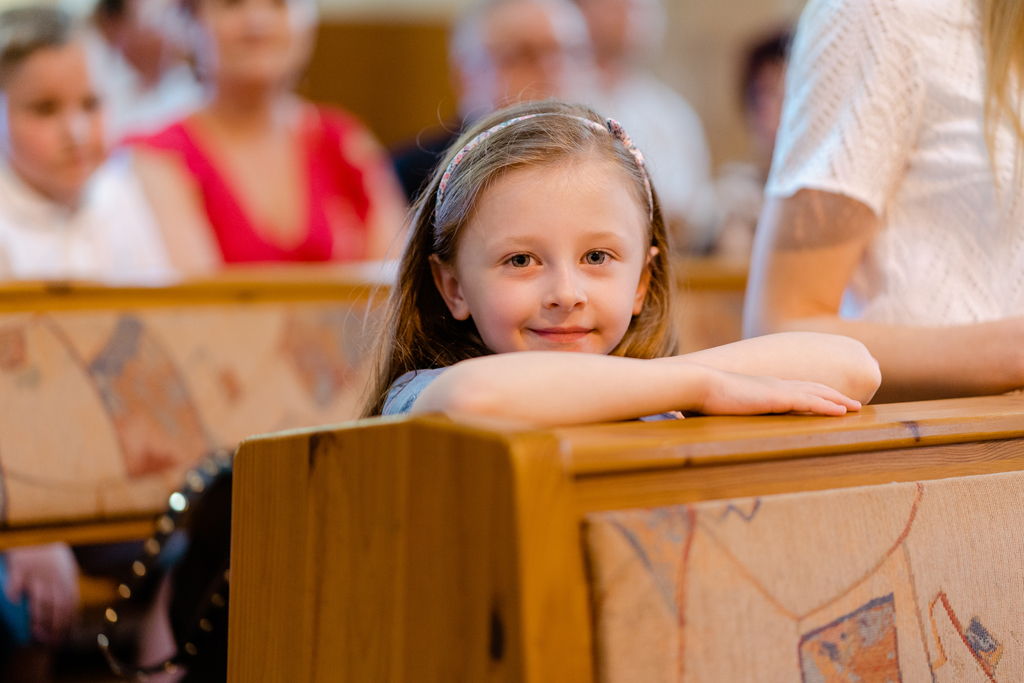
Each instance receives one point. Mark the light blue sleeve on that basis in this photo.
(661, 417)
(406, 389)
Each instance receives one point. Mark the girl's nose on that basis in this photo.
(565, 289)
(263, 17)
(77, 126)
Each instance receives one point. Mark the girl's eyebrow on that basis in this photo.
(522, 241)
(511, 242)
(605, 235)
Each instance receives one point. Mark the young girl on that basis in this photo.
(541, 234)
(67, 211)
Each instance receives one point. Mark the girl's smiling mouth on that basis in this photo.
(562, 335)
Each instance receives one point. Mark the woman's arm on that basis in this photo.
(386, 219)
(174, 199)
(805, 253)
(387, 216)
(558, 388)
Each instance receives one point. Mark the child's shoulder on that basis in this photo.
(406, 389)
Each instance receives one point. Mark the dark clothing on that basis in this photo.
(415, 162)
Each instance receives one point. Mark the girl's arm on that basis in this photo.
(805, 253)
(839, 362)
(556, 388)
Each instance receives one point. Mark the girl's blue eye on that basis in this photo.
(596, 257)
(519, 260)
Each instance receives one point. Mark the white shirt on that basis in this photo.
(884, 102)
(668, 132)
(112, 236)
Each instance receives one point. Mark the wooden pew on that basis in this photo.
(418, 549)
(108, 395)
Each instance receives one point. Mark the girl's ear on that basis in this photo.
(645, 282)
(447, 283)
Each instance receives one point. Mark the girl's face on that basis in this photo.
(52, 122)
(555, 258)
(254, 42)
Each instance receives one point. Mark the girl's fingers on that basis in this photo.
(827, 407)
(814, 403)
(830, 394)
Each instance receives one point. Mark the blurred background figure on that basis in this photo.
(502, 52)
(147, 82)
(739, 188)
(895, 201)
(257, 174)
(626, 36)
(66, 210)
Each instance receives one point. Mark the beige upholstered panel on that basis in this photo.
(913, 582)
(101, 411)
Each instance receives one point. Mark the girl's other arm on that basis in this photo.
(557, 388)
(805, 253)
(831, 359)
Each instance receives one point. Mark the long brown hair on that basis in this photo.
(418, 331)
(1003, 37)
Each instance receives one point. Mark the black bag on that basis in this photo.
(198, 611)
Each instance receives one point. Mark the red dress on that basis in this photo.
(338, 200)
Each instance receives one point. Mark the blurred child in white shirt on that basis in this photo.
(67, 210)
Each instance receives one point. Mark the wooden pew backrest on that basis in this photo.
(422, 550)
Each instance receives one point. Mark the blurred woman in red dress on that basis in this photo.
(258, 174)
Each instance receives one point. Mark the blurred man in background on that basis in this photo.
(626, 36)
(739, 189)
(503, 52)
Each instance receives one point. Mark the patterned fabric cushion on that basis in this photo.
(101, 412)
(902, 582)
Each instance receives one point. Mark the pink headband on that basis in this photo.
(611, 126)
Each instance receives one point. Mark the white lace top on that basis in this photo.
(884, 104)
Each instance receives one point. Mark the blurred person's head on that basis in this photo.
(51, 118)
(624, 32)
(762, 90)
(251, 43)
(508, 51)
(136, 29)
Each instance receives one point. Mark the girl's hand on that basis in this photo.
(734, 394)
(48, 576)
